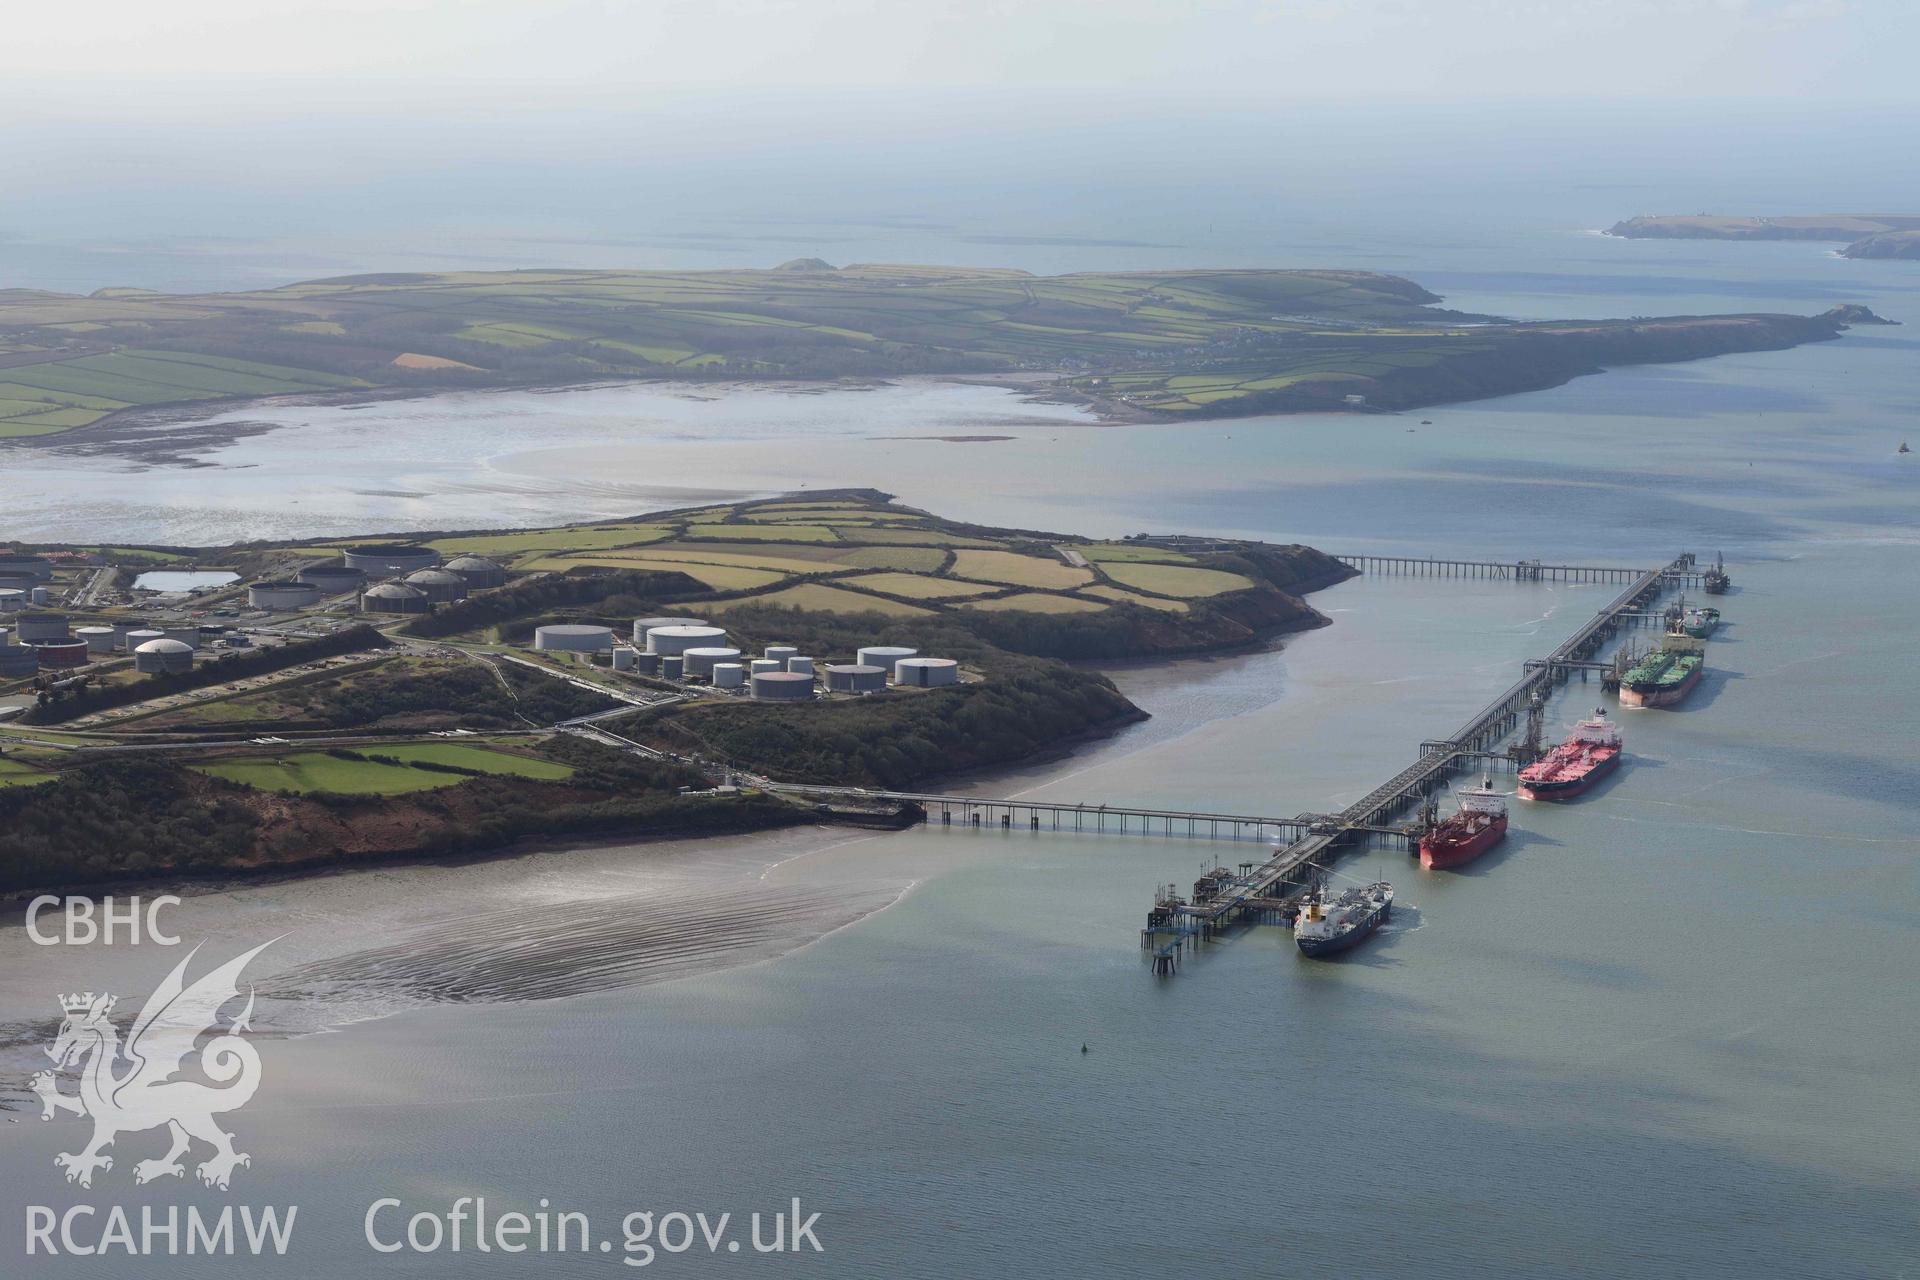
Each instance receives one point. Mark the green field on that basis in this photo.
(1176, 580)
(1018, 570)
(916, 587)
(820, 598)
(1036, 602)
(15, 774)
(306, 771)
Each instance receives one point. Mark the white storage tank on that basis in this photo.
(573, 637)
(139, 636)
(675, 639)
(163, 657)
(850, 677)
(477, 571)
(760, 666)
(801, 664)
(643, 625)
(394, 597)
(728, 675)
(782, 686)
(926, 673)
(780, 653)
(438, 585)
(283, 594)
(40, 596)
(647, 664)
(12, 599)
(31, 628)
(883, 656)
(622, 658)
(188, 636)
(672, 667)
(700, 661)
(99, 639)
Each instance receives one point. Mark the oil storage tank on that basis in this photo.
(139, 636)
(674, 640)
(477, 572)
(30, 628)
(700, 660)
(394, 597)
(60, 654)
(800, 663)
(672, 667)
(851, 677)
(17, 660)
(643, 625)
(573, 637)
(782, 686)
(883, 656)
(19, 564)
(188, 636)
(389, 558)
(97, 639)
(285, 593)
(438, 585)
(333, 579)
(163, 657)
(728, 675)
(780, 653)
(926, 673)
(12, 599)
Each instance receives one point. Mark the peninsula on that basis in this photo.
(663, 675)
(1161, 345)
(1865, 235)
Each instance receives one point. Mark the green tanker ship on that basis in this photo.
(1666, 675)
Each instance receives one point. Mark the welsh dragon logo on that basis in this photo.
(148, 1091)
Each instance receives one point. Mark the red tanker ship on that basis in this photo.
(1480, 824)
(1589, 754)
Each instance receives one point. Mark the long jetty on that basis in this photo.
(1683, 572)
(1269, 891)
(1222, 898)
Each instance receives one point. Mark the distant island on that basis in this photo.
(1866, 236)
(1158, 345)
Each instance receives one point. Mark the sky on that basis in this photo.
(94, 57)
(222, 143)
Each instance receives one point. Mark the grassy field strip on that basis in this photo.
(307, 771)
(1016, 570)
(915, 587)
(827, 599)
(1175, 580)
(1035, 602)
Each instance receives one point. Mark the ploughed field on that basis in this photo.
(1157, 344)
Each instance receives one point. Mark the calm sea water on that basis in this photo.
(1668, 1030)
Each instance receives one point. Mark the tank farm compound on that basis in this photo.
(1271, 892)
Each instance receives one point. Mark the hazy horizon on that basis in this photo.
(245, 202)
